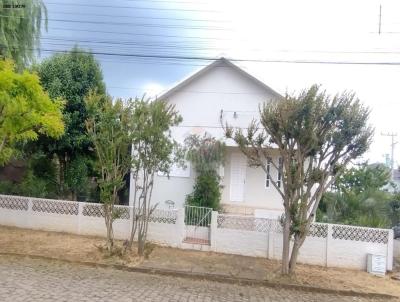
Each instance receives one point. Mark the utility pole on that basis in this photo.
(392, 145)
(380, 19)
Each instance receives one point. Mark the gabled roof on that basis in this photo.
(216, 63)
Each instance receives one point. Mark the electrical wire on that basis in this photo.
(143, 17)
(200, 58)
(134, 7)
(173, 45)
(129, 23)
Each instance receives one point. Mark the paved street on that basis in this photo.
(23, 279)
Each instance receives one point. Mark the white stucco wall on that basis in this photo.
(222, 88)
(350, 251)
(200, 103)
(232, 234)
(173, 188)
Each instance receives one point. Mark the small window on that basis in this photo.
(268, 176)
(280, 170)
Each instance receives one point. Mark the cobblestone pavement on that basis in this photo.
(24, 279)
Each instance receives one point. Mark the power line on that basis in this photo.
(141, 44)
(135, 7)
(143, 17)
(208, 59)
(169, 2)
(131, 24)
(173, 45)
(199, 58)
(139, 34)
(205, 39)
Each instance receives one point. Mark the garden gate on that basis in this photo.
(197, 225)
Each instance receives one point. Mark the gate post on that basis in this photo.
(180, 226)
(213, 230)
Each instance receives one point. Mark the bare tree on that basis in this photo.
(316, 136)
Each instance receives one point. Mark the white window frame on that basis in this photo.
(280, 170)
(268, 174)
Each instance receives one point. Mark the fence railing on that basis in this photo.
(338, 232)
(326, 244)
(74, 208)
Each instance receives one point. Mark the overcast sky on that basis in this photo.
(339, 31)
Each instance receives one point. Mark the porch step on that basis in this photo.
(193, 240)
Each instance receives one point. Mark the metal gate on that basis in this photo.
(197, 224)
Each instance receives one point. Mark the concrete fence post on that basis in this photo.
(328, 244)
(131, 222)
(80, 215)
(270, 254)
(213, 230)
(28, 222)
(180, 226)
(390, 250)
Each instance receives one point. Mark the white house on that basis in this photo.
(220, 89)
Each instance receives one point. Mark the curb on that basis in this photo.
(209, 277)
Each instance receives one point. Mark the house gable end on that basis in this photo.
(220, 63)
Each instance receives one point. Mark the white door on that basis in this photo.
(238, 177)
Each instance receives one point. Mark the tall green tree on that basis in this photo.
(20, 29)
(359, 197)
(363, 177)
(71, 76)
(109, 126)
(316, 136)
(26, 110)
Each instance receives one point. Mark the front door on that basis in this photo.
(238, 177)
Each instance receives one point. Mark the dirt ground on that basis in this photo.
(86, 248)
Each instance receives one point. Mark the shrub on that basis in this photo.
(206, 191)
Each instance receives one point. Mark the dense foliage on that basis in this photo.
(206, 154)
(20, 29)
(26, 111)
(71, 76)
(361, 196)
(206, 191)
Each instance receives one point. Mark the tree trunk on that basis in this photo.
(109, 226)
(141, 244)
(286, 245)
(141, 232)
(133, 230)
(293, 256)
(62, 159)
(134, 216)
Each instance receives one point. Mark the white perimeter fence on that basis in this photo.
(328, 245)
